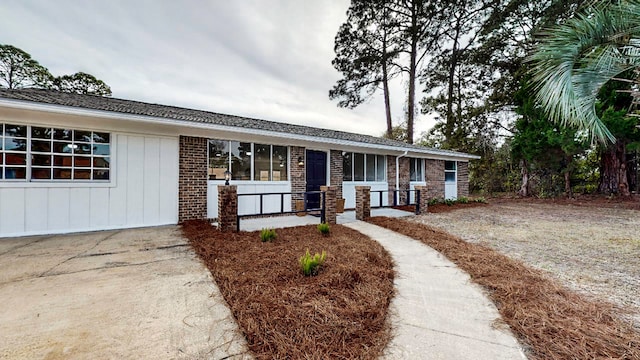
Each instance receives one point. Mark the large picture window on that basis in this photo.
(247, 161)
(363, 167)
(55, 154)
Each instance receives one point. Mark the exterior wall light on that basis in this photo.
(227, 177)
(300, 161)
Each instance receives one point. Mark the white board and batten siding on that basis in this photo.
(248, 205)
(349, 192)
(143, 191)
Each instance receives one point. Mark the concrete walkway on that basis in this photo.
(437, 312)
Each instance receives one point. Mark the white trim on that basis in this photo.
(28, 105)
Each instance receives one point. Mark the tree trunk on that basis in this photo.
(453, 64)
(613, 170)
(411, 99)
(385, 89)
(524, 170)
(567, 176)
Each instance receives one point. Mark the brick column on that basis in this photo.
(297, 174)
(405, 179)
(391, 176)
(330, 204)
(435, 178)
(227, 207)
(363, 202)
(336, 171)
(463, 178)
(422, 200)
(192, 179)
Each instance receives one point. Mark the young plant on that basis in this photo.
(481, 200)
(310, 264)
(463, 200)
(449, 202)
(323, 228)
(267, 235)
(433, 201)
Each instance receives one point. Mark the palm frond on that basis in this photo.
(574, 60)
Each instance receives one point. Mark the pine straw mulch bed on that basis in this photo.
(550, 320)
(440, 208)
(341, 313)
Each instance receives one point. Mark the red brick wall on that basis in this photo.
(405, 178)
(297, 173)
(336, 171)
(391, 176)
(330, 204)
(423, 199)
(463, 178)
(435, 178)
(192, 182)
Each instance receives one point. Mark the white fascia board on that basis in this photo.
(70, 110)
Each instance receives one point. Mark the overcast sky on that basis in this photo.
(267, 59)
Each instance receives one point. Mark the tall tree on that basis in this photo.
(365, 48)
(82, 83)
(380, 40)
(18, 70)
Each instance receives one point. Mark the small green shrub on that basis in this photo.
(449, 202)
(267, 235)
(323, 228)
(480, 200)
(433, 201)
(310, 264)
(463, 200)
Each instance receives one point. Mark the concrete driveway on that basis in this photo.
(139, 293)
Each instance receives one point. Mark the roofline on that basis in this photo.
(71, 110)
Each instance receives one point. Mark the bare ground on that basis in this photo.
(593, 248)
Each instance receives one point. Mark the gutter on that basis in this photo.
(398, 169)
(65, 109)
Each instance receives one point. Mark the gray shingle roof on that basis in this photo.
(110, 104)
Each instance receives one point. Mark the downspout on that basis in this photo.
(398, 169)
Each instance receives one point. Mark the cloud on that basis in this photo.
(263, 59)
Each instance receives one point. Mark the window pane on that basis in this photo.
(358, 167)
(262, 162)
(84, 136)
(82, 149)
(371, 167)
(449, 165)
(218, 159)
(62, 147)
(101, 162)
(419, 170)
(41, 173)
(381, 168)
(240, 160)
(412, 169)
(347, 167)
(15, 144)
(101, 149)
(279, 163)
(62, 134)
(61, 160)
(101, 174)
(449, 176)
(15, 173)
(62, 173)
(41, 160)
(41, 146)
(15, 159)
(41, 133)
(15, 130)
(82, 174)
(100, 137)
(82, 161)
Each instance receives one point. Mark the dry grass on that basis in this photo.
(591, 246)
(553, 322)
(340, 313)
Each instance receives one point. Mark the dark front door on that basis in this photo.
(316, 166)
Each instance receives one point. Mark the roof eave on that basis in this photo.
(71, 110)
